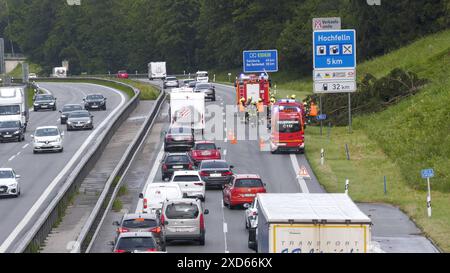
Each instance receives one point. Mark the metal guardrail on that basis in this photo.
(34, 238)
(93, 224)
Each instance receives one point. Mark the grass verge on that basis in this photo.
(148, 92)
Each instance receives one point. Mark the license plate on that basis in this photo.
(94, 106)
(206, 153)
(249, 195)
(44, 106)
(178, 167)
(216, 175)
(182, 230)
(8, 136)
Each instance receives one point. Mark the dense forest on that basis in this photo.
(107, 35)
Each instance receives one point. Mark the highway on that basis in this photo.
(225, 228)
(43, 174)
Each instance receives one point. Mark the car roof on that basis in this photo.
(176, 154)
(244, 176)
(136, 234)
(205, 142)
(46, 127)
(163, 185)
(212, 161)
(6, 169)
(183, 200)
(139, 215)
(185, 173)
(94, 94)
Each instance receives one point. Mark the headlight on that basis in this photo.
(63, 116)
(17, 132)
(58, 139)
(12, 185)
(89, 121)
(69, 122)
(36, 104)
(51, 103)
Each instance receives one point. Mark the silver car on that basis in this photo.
(80, 120)
(183, 219)
(135, 242)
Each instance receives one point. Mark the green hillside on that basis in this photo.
(398, 142)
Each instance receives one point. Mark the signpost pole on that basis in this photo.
(2, 59)
(321, 121)
(429, 198)
(349, 113)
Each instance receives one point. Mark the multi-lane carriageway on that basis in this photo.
(43, 174)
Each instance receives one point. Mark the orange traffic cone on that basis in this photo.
(303, 172)
(262, 144)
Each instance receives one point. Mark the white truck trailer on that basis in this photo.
(59, 72)
(311, 223)
(187, 109)
(157, 70)
(13, 104)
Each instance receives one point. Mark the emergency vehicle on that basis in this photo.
(287, 127)
(252, 87)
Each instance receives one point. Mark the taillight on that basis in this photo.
(202, 173)
(156, 230)
(202, 222)
(164, 166)
(198, 184)
(169, 137)
(218, 154)
(152, 250)
(145, 203)
(122, 230)
(190, 167)
(227, 173)
(254, 213)
(119, 251)
(163, 219)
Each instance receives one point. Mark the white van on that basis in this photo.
(157, 70)
(13, 105)
(155, 194)
(202, 76)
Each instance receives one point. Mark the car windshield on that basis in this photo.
(214, 165)
(94, 97)
(289, 126)
(139, 223)
(70, 108)
(6, 174)
(171, 79)
(136, 243)
(180, 130)
(249, 183)
(6, 110)
(202, 74)
(205, 146)
(9, 124)
(186, 178)
(79, 115)
(182, 211)
(203, 86)
(47, 132)
(44, 97)
(177, 159)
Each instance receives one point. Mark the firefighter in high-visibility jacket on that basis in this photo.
(313, 111)
(242, 111)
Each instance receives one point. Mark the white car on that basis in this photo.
(156, 194)
(251, 214)
(9, 184)
(190, 183)
(47, 138)
(32, 76)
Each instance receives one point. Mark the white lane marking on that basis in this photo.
(19, 153)
(151, 177)
(12, 158)
(69, 166)
(225, 226)
(25, 146)
(137, 118)
(225, 152)
(301, 180)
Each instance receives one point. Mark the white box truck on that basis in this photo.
(202, 76)
(311, 223)
(13, 104)
(157, 70)
(187, 109)
(59, 72)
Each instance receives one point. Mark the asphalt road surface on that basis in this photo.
(43, 174)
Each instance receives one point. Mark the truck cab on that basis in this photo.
(252, 87)
(287, 123)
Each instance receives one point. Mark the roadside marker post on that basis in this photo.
(322, 157)
(385, 185)
(427, 174)
(347, 183)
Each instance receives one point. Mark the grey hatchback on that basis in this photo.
(183, 219)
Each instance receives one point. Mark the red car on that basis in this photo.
(122, 74)
(242, 190)
(205, 150)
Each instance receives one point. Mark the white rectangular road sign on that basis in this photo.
(334, 75)
(326, 23)
(334, 86)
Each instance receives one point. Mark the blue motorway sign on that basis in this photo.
(427, 173)
(260, 61)
(335, 49)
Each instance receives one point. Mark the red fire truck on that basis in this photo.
(254, 87)
(287, 127)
